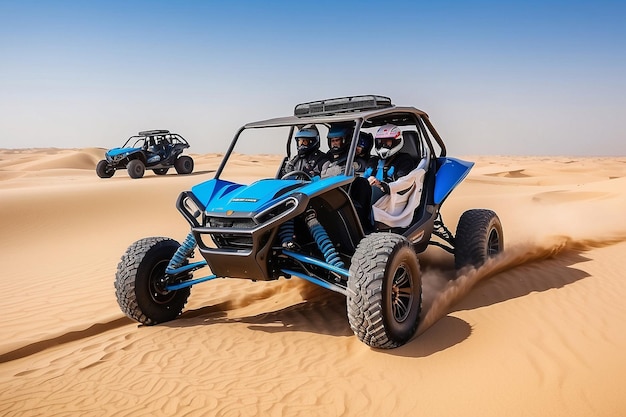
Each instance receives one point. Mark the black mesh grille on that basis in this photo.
(238, 223)
(230, 240)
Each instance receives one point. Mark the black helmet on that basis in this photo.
(342, 131)
(307, 140)
(366, 142)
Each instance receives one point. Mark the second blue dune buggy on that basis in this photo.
(156, 150)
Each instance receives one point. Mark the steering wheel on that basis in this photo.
(297, 175)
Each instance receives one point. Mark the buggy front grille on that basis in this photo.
(231, 240)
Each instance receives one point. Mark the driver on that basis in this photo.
(309, 158)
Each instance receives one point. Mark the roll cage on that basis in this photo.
(376, 111)
(141, 139)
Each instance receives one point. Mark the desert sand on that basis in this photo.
(538, 331)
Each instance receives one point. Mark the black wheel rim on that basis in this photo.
(493, 243)
(157, 284)
(401, 294)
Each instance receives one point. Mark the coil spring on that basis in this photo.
(287, 232)
(183, 252)
(323, 241)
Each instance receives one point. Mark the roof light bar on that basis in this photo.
(153, 132)
(342, 105)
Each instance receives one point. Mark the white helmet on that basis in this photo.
(388, 140)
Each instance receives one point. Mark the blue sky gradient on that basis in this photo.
(516, 78)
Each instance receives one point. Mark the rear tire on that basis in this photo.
(104, 170)
(184, 165)
(384, 291)
(136, 168)
(478, 238)
(139, 282)
(161, 171)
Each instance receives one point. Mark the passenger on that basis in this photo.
(309, 158)
(389, 164)
(363, 152)
(161, 147)
(151, 144)
(339, 136)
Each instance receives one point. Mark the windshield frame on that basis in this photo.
(374, 118)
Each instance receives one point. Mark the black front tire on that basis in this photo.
(384, 291)
(136, 168)
(478, 238)
(104, 170)
(139, 282)
(184, 165)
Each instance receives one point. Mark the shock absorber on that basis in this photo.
(323, 241)
(287, 234)
(183, 252)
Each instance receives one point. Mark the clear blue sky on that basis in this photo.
(496, 77)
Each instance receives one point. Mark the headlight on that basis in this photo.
(191, 207)
(277, 210)
(115, 158)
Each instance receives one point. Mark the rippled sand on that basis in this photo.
(540, 330)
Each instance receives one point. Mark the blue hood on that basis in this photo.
(118, 151)
(218, 196)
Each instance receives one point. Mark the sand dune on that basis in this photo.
(537, 331)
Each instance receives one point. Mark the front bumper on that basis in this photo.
(239, 245)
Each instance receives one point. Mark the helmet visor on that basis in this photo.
(385, 143)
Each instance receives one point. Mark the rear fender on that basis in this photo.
(450, 174)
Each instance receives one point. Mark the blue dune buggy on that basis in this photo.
(241, 230)
(158, 150)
